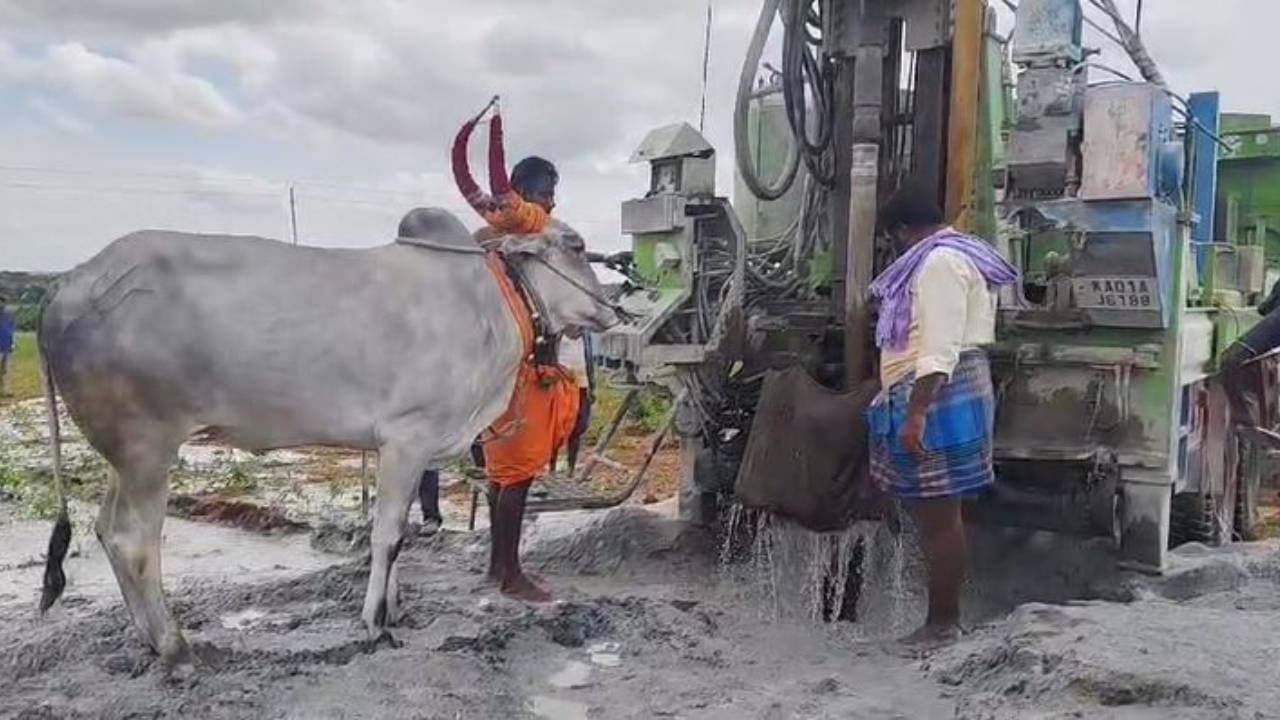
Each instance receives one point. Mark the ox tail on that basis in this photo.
(55, 580)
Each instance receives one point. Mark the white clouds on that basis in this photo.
(1201, 46)
(247, 53)
(130, 90)
(375, 89)
(370, 92)
(59, 116)
(388, 71)
(13, 66)
(513, 48)
(129, 19)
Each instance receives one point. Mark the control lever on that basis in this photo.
(616, 261)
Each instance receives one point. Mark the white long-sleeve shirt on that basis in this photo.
(573, 356)
(952, 310)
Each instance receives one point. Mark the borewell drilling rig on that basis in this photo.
(1109, 419)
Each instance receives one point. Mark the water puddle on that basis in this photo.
(606, 654)
(787, 571)
(574, 674)
(243, 620)
(557, 709)
(193, 552)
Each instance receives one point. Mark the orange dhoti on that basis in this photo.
(540, 419)
(543, 408)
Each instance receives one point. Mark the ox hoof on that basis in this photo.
(393, 612)
(177, 661)
(386, 615)
(384, 638)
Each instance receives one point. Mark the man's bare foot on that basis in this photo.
(930, 637)
(495, 578)
(522, 588)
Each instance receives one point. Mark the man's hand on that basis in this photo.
(922, 394)
(912, 435)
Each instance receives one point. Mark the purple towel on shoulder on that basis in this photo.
(893, 287)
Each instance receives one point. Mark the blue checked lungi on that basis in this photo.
(957, 436)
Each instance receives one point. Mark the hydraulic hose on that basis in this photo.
(806, 78)
(741, 137)
(1132, 43)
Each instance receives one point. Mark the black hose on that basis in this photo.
(742, 145)
(808, 77)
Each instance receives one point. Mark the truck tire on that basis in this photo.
(1245, 519)
(1192, 520)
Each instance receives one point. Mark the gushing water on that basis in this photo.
(790, 572)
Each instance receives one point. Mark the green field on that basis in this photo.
(23, 380)
(23, 383)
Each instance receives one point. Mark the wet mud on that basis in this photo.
(652, 619)
(647, 624)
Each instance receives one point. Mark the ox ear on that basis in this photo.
(524, 245)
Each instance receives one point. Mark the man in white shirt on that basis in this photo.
(932, 423)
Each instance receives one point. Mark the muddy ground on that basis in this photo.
(652, 620)
(646, 625)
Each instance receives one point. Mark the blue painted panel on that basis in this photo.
(1152, 224)
(1204, 110)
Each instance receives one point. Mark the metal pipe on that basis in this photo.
(837, 201)
(868, 93)
(864, 181)
(864, 175)
(962, 126)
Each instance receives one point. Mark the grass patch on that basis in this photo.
(33, 492)
(10, 479)
(23, 379)
(1268, 526)
(644, 417)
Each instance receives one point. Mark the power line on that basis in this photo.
(194, 192)
(212, 179)
(300, 198)
(293, 215)
(126, 173)
(131, 191)
(360, 188)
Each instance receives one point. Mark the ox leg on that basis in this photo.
(129, 527)
(393, 592)
(398, 473)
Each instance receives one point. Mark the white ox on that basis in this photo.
(402, 349)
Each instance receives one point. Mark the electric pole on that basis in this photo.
(293, 215)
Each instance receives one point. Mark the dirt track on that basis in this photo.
(640, 632)
(645, 627)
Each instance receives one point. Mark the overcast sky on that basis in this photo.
(197, 115)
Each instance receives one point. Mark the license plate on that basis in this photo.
(1117, 293)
